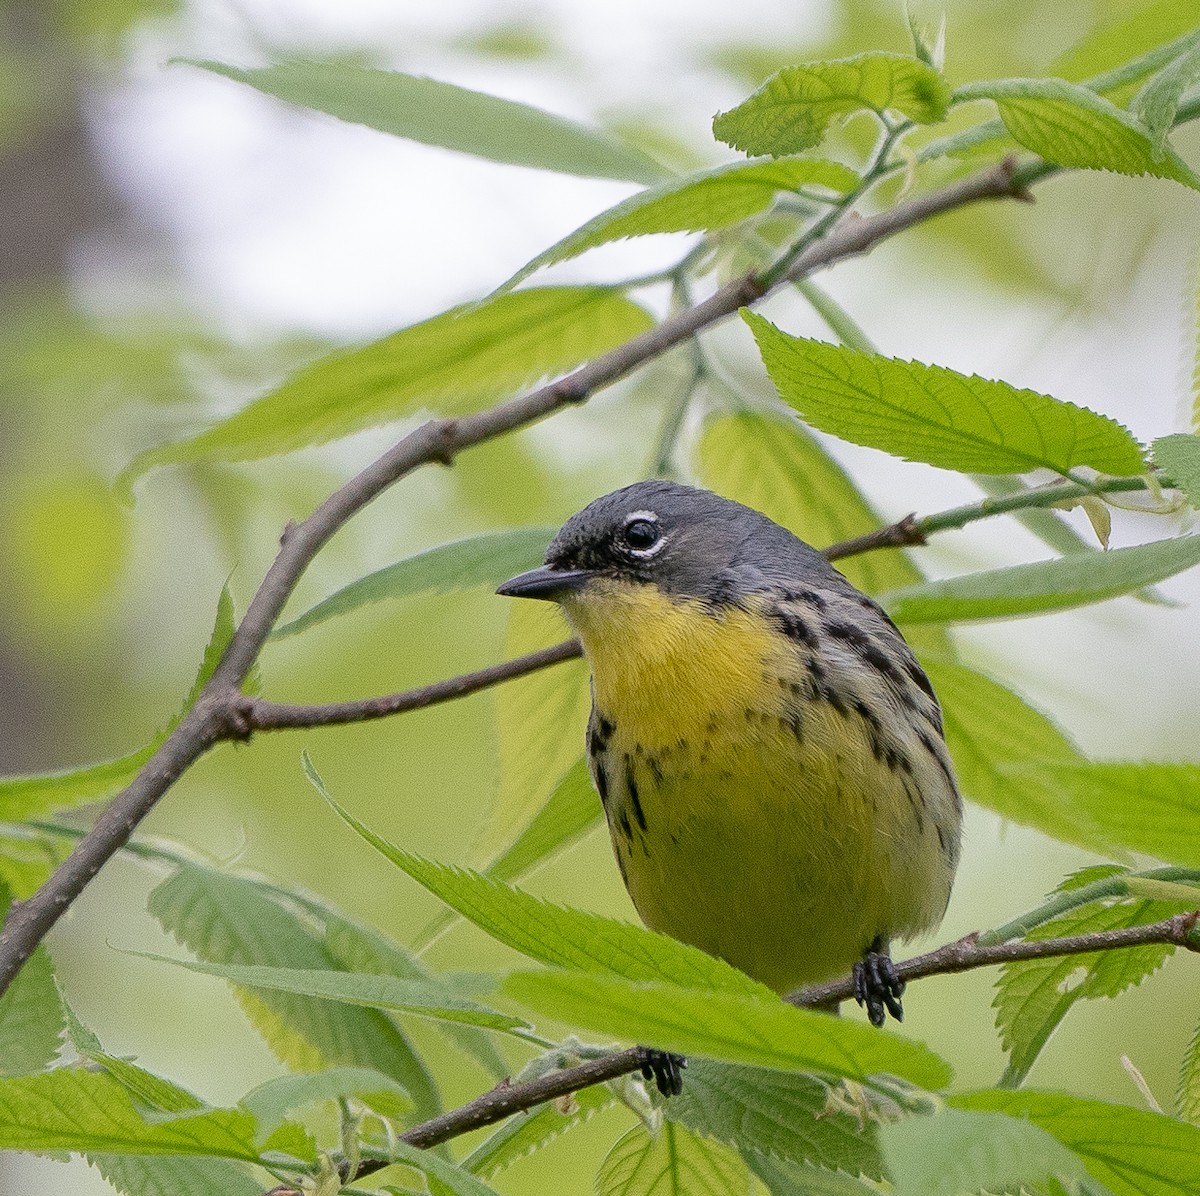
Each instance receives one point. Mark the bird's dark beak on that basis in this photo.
(544, 582)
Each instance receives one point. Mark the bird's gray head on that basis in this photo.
(690, 543)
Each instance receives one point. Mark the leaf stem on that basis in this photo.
(877, 169)
(1116, 885)
(1041, 496)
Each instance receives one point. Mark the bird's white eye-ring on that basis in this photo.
(642, 534)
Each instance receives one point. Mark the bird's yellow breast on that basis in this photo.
(670, 667)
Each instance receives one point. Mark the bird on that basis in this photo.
(768, 751)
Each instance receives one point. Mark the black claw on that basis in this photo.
(878, 986)
(664, 1068)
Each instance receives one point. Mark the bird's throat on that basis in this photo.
(669, 666)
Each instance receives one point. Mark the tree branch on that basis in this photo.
(507, 1098)
(261, 715)
(219, 711)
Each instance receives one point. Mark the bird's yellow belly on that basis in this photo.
(749, 819)
(784, 860)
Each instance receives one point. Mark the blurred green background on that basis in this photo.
(171, 245)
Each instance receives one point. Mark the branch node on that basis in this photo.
(574, 388)
(237, 717)
(442, 435)
(1017, 190)
(289, 530)
(908, 531)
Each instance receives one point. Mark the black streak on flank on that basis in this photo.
(917, 674)
(879, 660)
(602, 784)
(794, 627)
(827, 693)
(931, 747)
(855, 636)
(879, 749)
(631, 785)
(626, 829)
(655, 770)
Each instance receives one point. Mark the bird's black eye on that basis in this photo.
(641, 534)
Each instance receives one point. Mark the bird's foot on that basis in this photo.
(877, 985)
(664, 1068)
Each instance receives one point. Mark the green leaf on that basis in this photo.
(168, 1176)
(556, 934)
(1005, 751)
(1187, 1095)
(570, 812)
(782, 1114)
(1138, 805)
(670, 1163)
(933, 414)
(540, 723)
(32, 1019)
(1072, 126)
(442, 114)
(1158, 101)
(783, 1178)
(162, 1175)
(792, 110)
(736, 1027)
(1040, 586)
(486, 559)
(1014, 760)
(357, 948)
(87, 1111)
(702, 202)
(956, 1151)
(768, 461)
(357, 988)
(455, 362)
(271, 1102)
(153, 1094)
(1049, 526)
(26, 860)
(28, 797)
(454, 1177)
(1153, 34)
(1131, 1151)
(227, 919)
(1034, 995)
(521, 1136)
(1178, 456)
(174, 1176)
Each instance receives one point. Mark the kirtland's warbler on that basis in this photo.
(767, 749)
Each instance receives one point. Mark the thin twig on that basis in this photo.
(261, 715)
(962, 955)
(967, 953)
(219, 712)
